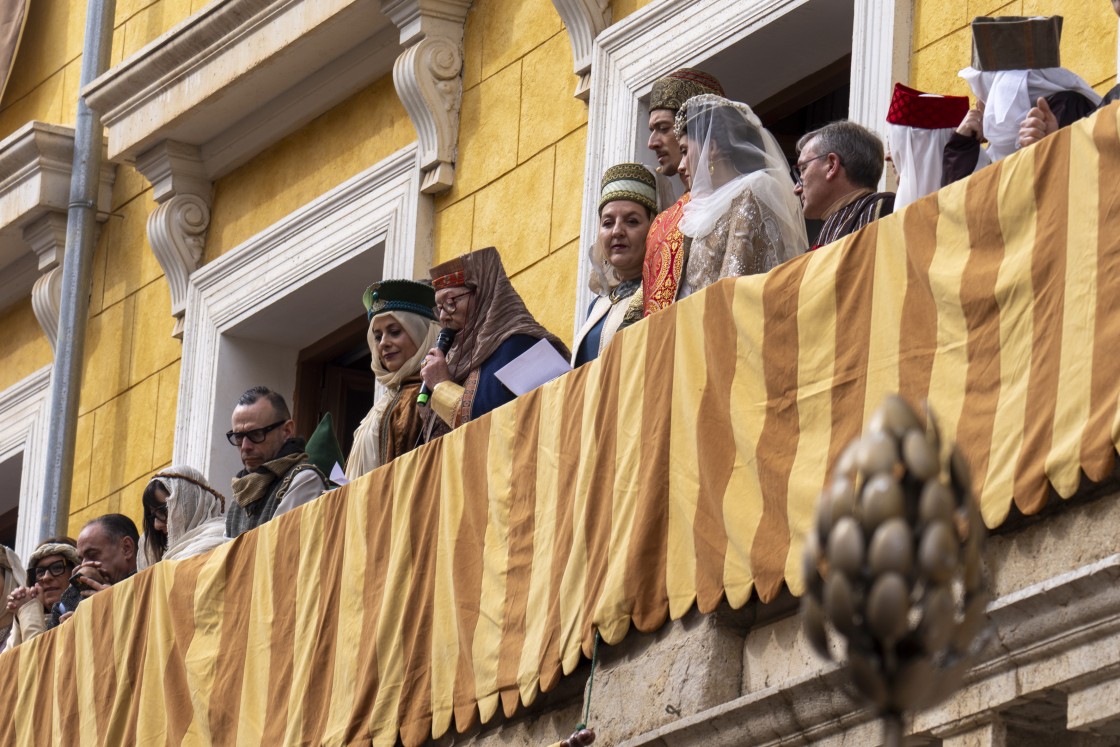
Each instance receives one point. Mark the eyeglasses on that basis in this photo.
(56, 569)
(257, 435)
(450, 304)
(160, 511)
(798, 168)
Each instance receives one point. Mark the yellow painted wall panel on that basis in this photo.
(472, 49)
(52, 37)
(43, 103)
(330, 149)
(548, 109)
(546, 285)
(934, 20)
(567, 188)
(152, 325)
(622, 8)
(454, 229)
(79, 518)
(123, 435)
(129, 262)
(934, 68)
(512, 214)
(129, 500)
(25, 348)
(512, 28)
(127, 185)
(107, 354)
(146, 24)
(83, 459)
(166, 406)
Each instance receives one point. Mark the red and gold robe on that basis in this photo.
(666, 250)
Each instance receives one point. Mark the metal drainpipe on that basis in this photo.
(77, 271)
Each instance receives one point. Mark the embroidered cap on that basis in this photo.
(1016, 42)
(400, 295)
(679, 86)
(629, 181)
(926, 111)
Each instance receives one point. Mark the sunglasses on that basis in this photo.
(257, 435)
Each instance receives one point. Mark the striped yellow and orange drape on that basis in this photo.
(679, 469)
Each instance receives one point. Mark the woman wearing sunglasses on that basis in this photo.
(183, 516)
(48, 573)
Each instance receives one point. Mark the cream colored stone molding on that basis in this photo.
(881, 48)
(35, 163)
(24, 411)
(584, 19)
(177, 227)
(372, 226)
(428, 78)
(631, 54)
(238, 75)
(1059, 634)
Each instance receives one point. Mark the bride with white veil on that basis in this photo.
(743, 217)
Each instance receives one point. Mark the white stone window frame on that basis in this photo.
(24, 412)
(379, 210)
(664, 36)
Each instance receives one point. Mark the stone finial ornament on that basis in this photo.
(893, 566)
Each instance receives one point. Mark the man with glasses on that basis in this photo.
(278, 474)
(838, 168)
(48, 573)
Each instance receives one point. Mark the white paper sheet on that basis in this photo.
(338, 477)
(538, 365)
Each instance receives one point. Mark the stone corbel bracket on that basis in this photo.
(584, 19)
(429, 82)
(177, 227)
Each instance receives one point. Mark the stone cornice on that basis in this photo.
(428, 79)
(584, 19)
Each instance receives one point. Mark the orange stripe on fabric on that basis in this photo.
(781, 429)
(855, 276)
(647, 557)
(225, 696)
(918, 329)
(10, 663)
(415, 708)
(285, 568)
(142, 601)
(1048, 270)
(376, 490)
(599, 518)
(176, 681)
(1098, 452)
(982, 317)
(519, 567)
(470, 542)
(715, 441)
(568, 450)
(330, 580)
(42, 707)
(66, 698)
(104, 662)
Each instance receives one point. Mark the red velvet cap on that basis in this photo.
(913, 108)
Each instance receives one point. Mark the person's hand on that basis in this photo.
(433, 369)
(65, 616)
(973, 123)
(92, 577)
(1039, 123)
(21, 596)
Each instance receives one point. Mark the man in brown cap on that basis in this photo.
(666, 246)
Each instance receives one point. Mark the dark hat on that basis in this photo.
(679, 86)
(323, 449)
(629, 181)
(1016, 43)
(926, 111)
(400, 295)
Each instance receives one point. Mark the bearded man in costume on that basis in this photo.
(666, 246)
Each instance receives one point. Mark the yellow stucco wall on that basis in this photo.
(943, 41)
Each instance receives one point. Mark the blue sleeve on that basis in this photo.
(492, 393)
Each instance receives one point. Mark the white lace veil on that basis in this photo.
(725, 133)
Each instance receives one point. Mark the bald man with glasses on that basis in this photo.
(278, 474)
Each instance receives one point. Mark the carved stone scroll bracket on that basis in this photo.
(47, 238)
(584, 19)
(177, 233)
(428, 79)
(177, 227)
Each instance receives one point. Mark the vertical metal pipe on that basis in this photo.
(77, 271)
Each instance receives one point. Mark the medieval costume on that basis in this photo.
(666, 246)
(394, 423)
(852, 212)
(195, 517)
(1015, 61)
(920, 124)
(743, 217)
(32, 618)
(288, 481)
(498, 330)
(12, 577)
(614, 296)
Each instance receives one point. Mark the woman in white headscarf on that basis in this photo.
(12, 577)
(402, 327)
(743, 217)
(183, 516)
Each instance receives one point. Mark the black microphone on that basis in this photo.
(443, 342)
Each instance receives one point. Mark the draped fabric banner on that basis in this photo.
(678, 470)
(13, 16)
